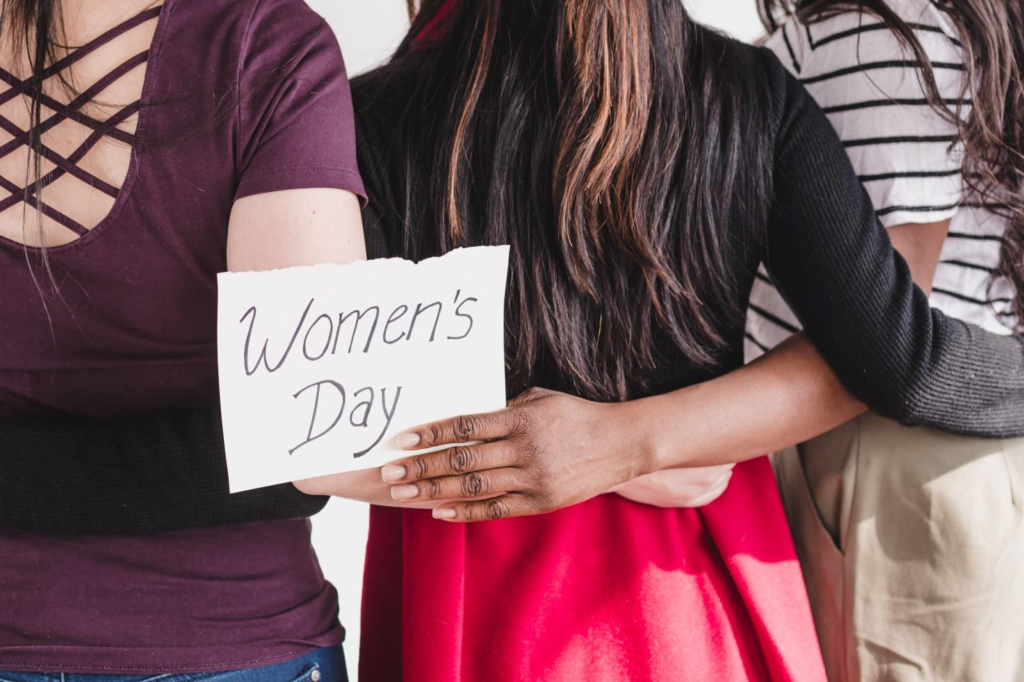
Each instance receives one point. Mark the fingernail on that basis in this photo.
(442, 513)
(392, 472)
(407, 440)
(404, 492)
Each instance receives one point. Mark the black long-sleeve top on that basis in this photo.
(822, 244)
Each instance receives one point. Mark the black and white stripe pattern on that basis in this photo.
(868, 85)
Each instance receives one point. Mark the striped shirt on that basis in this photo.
(868, 85)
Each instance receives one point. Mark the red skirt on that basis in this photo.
(606, 590)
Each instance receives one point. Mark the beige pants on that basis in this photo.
(912, 546)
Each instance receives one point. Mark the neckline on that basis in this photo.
(145, 99)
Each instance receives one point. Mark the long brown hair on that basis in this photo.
(612, 143)
(991, 133)
(35, 27)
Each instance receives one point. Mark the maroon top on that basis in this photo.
(240, 97)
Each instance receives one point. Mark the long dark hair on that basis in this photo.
(992, 131)
(35, 27)
(611, 142)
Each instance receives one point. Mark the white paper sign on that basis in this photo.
(321, 366)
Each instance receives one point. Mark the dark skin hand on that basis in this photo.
(549, 450)
(526, 459)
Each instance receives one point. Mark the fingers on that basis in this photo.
(470, 427)
(461, 459)
(502, 507)
(462, 429)
(478, 484)
(494, 479)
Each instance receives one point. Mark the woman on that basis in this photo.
(168, 143)
(561, 131)
(873, 502)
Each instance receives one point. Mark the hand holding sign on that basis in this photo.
(548, 450)
(321, 365)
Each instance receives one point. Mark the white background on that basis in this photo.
(368, 31)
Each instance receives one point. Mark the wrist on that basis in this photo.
(643, 421)
(669, 430)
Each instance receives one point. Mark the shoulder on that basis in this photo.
(751, 76)
(218, 19)
(281, 28)
(252, 14)
(773, 89)
(865, 76)
(721, 52)
(869, 83)
(817, 48)
(212, 33)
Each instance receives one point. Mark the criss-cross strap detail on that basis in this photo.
(71, 111)
(65, 111)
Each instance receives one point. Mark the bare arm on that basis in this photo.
(834, 262)
(186, 485)
(785, 397)
(797, 395)
(303, 227)
(920, 245)
(295, 227)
